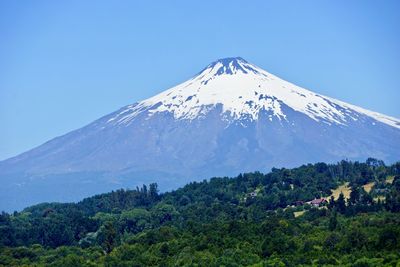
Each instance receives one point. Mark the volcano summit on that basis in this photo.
(232, 117)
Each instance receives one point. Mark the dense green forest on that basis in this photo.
(253, 219)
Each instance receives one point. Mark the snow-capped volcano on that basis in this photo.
(231, 117)
(244, 90)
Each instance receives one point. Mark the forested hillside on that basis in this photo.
(253, 219)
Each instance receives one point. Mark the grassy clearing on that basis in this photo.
(298, 213)
(381, 198)
(390, 179)
(368, 187)
(341, 188)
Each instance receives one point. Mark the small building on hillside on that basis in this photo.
(253, 194)
(317, 202)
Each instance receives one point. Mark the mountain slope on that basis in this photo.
(231, 117)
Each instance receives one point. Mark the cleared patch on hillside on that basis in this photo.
(368, 187)
(381, 198)
(341, 188)
(389, 179)
(298, 213)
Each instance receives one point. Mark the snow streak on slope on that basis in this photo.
(244, 90)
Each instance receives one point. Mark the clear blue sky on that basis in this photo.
(64, 64)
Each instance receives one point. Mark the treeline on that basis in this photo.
(246, 220)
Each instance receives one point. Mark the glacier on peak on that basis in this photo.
(244, 90)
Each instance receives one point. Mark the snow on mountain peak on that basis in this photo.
(230, 66)
(243, 90)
